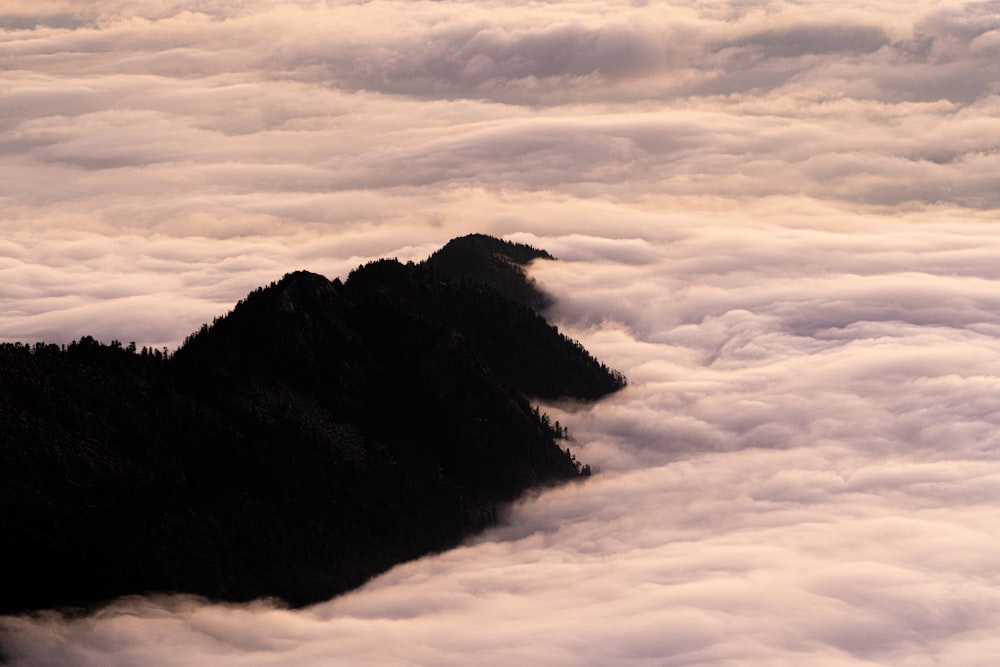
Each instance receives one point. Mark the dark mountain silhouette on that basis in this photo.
(311, 438)
(478, 258)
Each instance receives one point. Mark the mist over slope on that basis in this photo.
(316, 435)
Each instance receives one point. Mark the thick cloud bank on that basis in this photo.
(779, 219)
(804, 470)
(160, 159)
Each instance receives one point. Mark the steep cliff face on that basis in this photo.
(314, 436)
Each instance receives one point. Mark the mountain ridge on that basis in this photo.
(314, 436)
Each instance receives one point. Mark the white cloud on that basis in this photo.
(777, 218)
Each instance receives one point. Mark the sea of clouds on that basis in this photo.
(779, 219)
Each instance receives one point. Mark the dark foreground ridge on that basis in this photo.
(313, 437)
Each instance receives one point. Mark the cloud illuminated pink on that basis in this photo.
(778, 219)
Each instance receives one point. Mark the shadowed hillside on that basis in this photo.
(478, 258)
(313, 437)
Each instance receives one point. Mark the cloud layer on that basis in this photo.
(777, 218)
(262, 130)
(803, 469)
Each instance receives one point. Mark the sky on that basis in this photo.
(778, 219)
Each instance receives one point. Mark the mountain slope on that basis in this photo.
(487, 260)
(316, 435)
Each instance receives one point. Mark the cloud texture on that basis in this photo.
(777, 218)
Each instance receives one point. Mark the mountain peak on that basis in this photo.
(487, 260)
(483, 244)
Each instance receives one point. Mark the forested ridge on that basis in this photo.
(314, 436)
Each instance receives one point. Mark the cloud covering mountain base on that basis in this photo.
(777, 218)
(787, 479)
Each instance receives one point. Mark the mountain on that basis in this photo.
(316, 435)
(478, 258)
